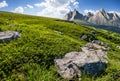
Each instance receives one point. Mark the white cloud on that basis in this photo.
(55, 8)
(25, 7)
(87, 10)
(76, 4)
(30, 6)
(3, 4)
(19, 9)
(42, 4)
(115, 12)
(53, 12)
(52, 3)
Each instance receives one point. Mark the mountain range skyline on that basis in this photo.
(93, 12)
(101, 17)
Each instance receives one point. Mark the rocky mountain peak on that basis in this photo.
(115, 16)
(70, 12)
(100, 18)
(103, 13)
(102, 10)
(68, 15)
(75, 12)
(73, 15)
(75, 9)
(89, 14)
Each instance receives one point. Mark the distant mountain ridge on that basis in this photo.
(101, 17)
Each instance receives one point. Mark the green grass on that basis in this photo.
(31, 57)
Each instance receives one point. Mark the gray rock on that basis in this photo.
(58, 32)
(89, 37)
(9, 35)
(84, 37)
(118, 47)
(92, 60)
(97, 42)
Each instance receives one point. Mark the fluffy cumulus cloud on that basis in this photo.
(19, 9)
(29, 6)
(3, 4)
(56, 8)
(87, 10)
(75, 3)
(115, 12)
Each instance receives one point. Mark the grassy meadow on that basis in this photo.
(31, 57)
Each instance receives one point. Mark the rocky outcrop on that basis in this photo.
(9, 35)
(92, 60)
(68, 16)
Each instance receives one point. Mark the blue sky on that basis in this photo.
(109, 5)
(57, 8)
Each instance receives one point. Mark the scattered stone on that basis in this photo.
(92, 60)
(84, 37)
(118, 47)
(89, 37)
(97, 42)
(9, 35)
(14, 24)
(58, 32)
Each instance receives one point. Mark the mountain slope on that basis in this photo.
(104, 18)
(99, 18)
(30, 58)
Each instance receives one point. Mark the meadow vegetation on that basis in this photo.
(31, 57)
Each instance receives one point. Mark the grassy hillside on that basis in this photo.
(31, 57)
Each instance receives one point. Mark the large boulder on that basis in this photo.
(92, 60)
(9, 35)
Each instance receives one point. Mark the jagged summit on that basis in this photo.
(68, 16)
(115, 16)
(104, 18)
(89, 14)
(73, 15)
(102, 10)
(101, 17)
(75, 10)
